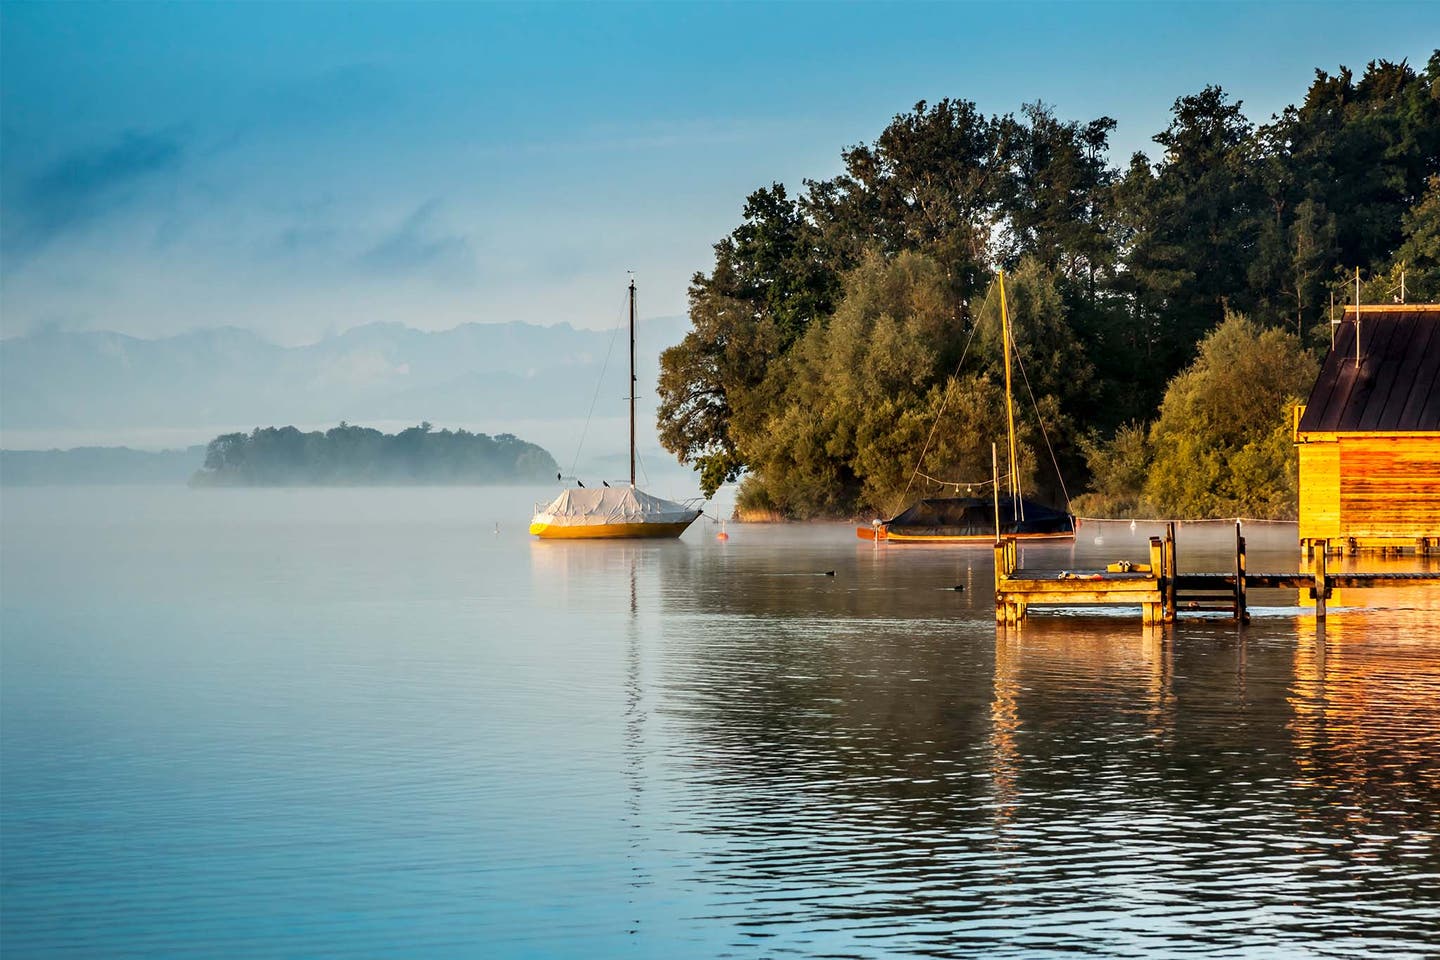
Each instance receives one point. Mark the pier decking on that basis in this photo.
(1162, 593)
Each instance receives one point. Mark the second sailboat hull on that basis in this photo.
(970, 520)
(897, 536)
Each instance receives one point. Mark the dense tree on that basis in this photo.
(1343, 173)
(351, 455)
(1119, 468)
(1419, 254)
(928, 183)
(1193, 225)
(1052, 198)
(827, 334)
(863, 396)
(1221, 445)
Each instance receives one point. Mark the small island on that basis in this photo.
(349, 455)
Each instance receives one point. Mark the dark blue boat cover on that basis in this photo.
(975, 517)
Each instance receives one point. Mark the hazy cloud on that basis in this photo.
(87, 185)
(418, 244)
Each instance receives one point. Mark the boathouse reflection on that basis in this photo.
(1366, 728)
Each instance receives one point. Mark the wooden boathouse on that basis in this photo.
(1369, 435)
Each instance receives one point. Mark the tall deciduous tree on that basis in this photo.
(1193, 221)
(1052, 196)
(1222, 444)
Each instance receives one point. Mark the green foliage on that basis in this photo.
(1419, 255)
(1053, 196)
(928, 183)
(350, 455)
(826, 336)
(1119, 468)
(1222, 445)
(1192, 222)
(861, 397)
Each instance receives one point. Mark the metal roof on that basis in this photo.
(1394, 388)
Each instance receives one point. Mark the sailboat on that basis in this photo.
(973, 519)
(612, 513)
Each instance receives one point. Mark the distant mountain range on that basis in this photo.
(484, 374)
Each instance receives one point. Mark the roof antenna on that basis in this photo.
(1357, 317)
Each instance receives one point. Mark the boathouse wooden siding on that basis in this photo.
(1369, 435)
(1319, 490)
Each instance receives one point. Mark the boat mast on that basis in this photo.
(1014, 475)
(632, 379)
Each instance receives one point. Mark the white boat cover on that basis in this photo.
(586, 506)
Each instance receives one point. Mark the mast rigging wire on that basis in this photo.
(1043, 432)
(945, 399)
(1034, 405)
(599, 382)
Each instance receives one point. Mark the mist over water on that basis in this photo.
(365, 722)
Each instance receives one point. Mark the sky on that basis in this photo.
(299, 169)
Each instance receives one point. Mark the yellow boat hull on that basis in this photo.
(609, 531)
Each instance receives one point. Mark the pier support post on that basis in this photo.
(1321, 590)
(1168, 600)
(1007, 561)
(1004, 609)
(1241, 614)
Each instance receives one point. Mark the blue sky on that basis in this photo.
(303, 168)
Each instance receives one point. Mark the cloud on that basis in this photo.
(417, 245)
(88, 185)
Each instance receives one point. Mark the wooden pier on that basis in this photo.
(1162, 593)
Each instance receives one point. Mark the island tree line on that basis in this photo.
(1165, 313)
(349, 455)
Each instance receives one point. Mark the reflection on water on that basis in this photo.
(404, 734)
(1366, 733)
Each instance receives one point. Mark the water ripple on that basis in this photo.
(424, 739)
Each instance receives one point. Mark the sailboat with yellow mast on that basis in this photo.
(975, 519)
(613, 513)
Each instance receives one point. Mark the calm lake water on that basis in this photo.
(372, 723)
